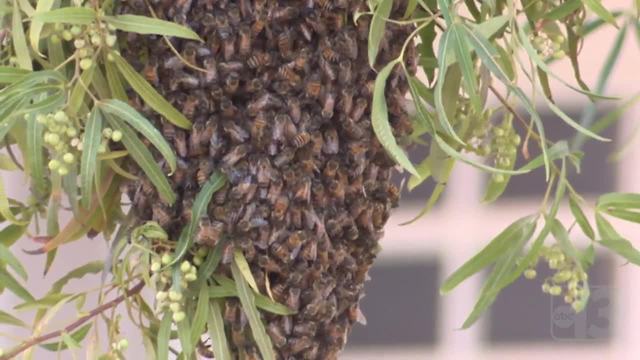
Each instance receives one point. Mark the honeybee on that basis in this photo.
(293, 300)
(161, 214)
(231, 83)
(348, 45)
(313, 87)
(301, 60)
(236, 132)
(285, 43)
(258, 25)
(309, 251)
(280, 252)
(227, 253)
(180, 143)
(284, 14)
(276, 334)
(258, 60)
(330, 169)
(189, 53)
(264, 102)
(287, 73)
(328, 105)
(306, 32)
(303, 191)
(284, 158)
(327, 69)
(353, 130)
(301, 139)
(298, 345)
(150, 72)
(337, 190)
(275, 189)
(344, 71)
(228, 109)
(238, 152)
(359, 109)
(209, 232)
(295, 111)
(317, 24)
(346, 99)
(228, 67)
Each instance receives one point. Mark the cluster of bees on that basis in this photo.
(283, 110)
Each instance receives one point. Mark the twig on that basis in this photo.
(12, 155)
(52, 335)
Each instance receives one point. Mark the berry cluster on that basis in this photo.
(569, 280)
(170, 294)
(87, 39)
(504, 146)
(59, 136)
(550, 46)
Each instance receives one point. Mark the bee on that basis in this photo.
(328, 54)
(352, 130)
(352, 232)
(344, 72)
(280, 252)
(168, 131)
(284, 14)
(328, 105)
(293, 300)
(309, 251)
(285, 43)
(253, 86)
(303, 191)
(211, 74)
(301, 60)
(235, 155)
(317, 24)
(237, 335)
(346, 99)
(231, 83)
(264, 102)
(313, 87)
(205, 168)
(227, 253)
(330, 169)
(161, 214)
(236, 132)
(319, 195)
(301, 139)
(244, 41)
(245, 9)
(258, 128)
(275, 189)
(258, 60)
(228, 67)
(284, 157)
(257, 26)
(359, 109)
(209, 232)
(337, 190)
(295, 217)
(325, 5)
(180, 143)
(298, 345)
(289, 176)
(269, 265)
(306, 32)
(348, 45)
(228, 109)
(195, 138)
(245, 189)
(150, 72)
(276, 334)
(295, 111)
(331, 143)
(295, 239)
(189, 53)
(287, 73)
(313, 352)
(327, 69)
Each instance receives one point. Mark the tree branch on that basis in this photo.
(68, 329)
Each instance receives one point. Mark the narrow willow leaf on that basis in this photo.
(74, 339)
(569, 121)
(10, 75)
(268, 305)
(210, 263)
(618, 199)
(377, 29)
(564, 10)
(114, 81)
(35, 29)
(88, 162)
(380, 121)
(200, 204)
(490, 253)
(409, 10)
(125, 112)
(505, 267)
(245, 270)
(35, 156)
(146, 25)
(143, 157)
(443, 5)
(425, 173)
(601, 11)
(19, 40)
(580, 217)
(461, 49)
(220, 346)
(8, 319)
(149, 94)
(10, 234)
(201, 315)
(164, 335)
(615, 242)
(460, 157)
(227, 288)
(78, 94)
(431, 202)
(184, 335)
(93, 267)
(627, 215)
(5, 209)
(10, 283)
(492, 26)
(247, 299)
(7, 257)
(440, 94)
(67, 15)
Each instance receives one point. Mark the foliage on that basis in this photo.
(63, 105)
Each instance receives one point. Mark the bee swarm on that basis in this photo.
(284, 111)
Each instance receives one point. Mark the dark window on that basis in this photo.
(598, 174)
(523, 313)
(400, 306)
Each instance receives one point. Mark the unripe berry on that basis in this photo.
(75, 30)
(72, 132)
(559, 54)
(562, 276)
(155, 266)
(530, 274)
(68, 158)
(555, 290)
(179, 316)
(545, 288)
(54, 164)
(41, 119)
(63, 170)
(123, 344)
(67, 35)
(54, 139)
(79, 43)
(499, 178)
(116, 136)
(185, 266)
(568, 299)
(191, 277)
(85, 64)
(197, 260)
(161, 295)
(55, 39)
(96, 40)
(175, 296)
(175, 307)
(107, 132)
(60, 116)
(166, 259)
(111, 40)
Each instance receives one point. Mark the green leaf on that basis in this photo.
(614, 242)
(380, 121)
(142, 156)
(431, 202)
(146, 25)
(601, 11)
(89, 159)
(201, 315)
(216, 332)
(67, 15)
(74, 339)
(8, 319)
(5, 207)
(460, 157)
(10, 75)
(247, 299)
(564, 10)
(573, 123)
(35, 157)
(245, 270)
(377, 29)
(93, 267)
(8, 282)
(184, 334)
(19, 40)
(451, 93)
(492, 26)
(461, 47)
(618, 199)
(125, 112)
(490, 253)
(10, 234)
(200, 204)
(149, 94)
(628, 215)
(7, 257)
(580, 217)
(78, 94)
(443, 5)
(35, 29)
(114, 80)
(164, 335)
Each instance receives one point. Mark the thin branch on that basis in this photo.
(95, 312)
(12, 155)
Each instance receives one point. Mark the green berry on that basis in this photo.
(175, 307)
(96, 40)
(79, 43)
(85, 64)
(202, 251)
(107, 132)
(577, 307)
(155, 266)
(516, 139)
(54, 164)
(498, 178)
(68, 158)
(190, 277)
(562, 276)
(41, 119)
(161, 295)
(197, 260)
(123, 344)
(185, 266)
(55, 39)
(553, 264)
(568, 299)
(559, 54)
(102, 148)
(67, 35)
(530, 274)
(111, 40)
(116, 136)
(175, 296)
(545, 288)
(72, 132)
(166, 259)
(179, 316)
(75, 30)
(84, 52)
(63, 170)
(60, 116)
(54, 139)
(555, 290)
